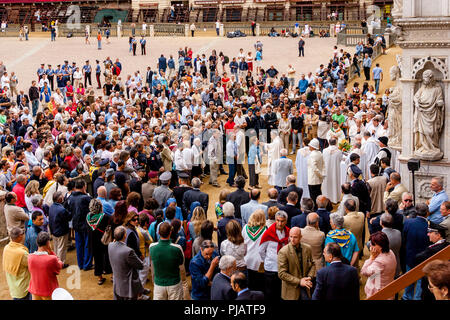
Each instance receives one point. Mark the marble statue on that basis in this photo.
(395, 110)
(428, 118)
(397, 10)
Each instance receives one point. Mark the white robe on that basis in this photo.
(301, 163)
(331, 185)
(370, 149)
(273, 153)
(340, 136)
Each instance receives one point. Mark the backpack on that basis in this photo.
(226, 59)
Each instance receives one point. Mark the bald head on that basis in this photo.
(321, 201)
(312, 219)
(290, 179)
(101, 192)
(295, 235)
(272, 193)
(255, 193)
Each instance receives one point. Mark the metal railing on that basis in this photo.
(10, 32)
(167, 30)
(351, 39)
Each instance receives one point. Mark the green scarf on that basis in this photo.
(255, 232)
(93, 220)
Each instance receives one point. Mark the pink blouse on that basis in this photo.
(379, 272)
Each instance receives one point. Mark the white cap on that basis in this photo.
(314, 143)
(61, 294)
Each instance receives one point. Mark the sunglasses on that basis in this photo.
(408, 200)
(135, 219)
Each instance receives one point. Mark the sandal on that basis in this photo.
(101, 281)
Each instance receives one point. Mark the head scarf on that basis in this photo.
(95, 214)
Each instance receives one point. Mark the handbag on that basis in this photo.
(257, 166)
(188, 250)
(107, 236)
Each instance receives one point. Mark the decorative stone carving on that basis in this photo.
(439, 64)
(428, 118)
(397, 10)
(424, 187)
(395, 109)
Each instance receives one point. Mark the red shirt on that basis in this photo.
(19, 190)
(69, 91)
(73, 163)
(229, 126)
(43, 268)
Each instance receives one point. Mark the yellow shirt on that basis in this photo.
(18, 284)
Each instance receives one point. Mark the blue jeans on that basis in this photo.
(26, 36)
(99, 42)
(377, 85)
(231, 173)
(84, 257)
(409, 293)
(296, 136)
(34, 106)
(217, 30)
(301, 51)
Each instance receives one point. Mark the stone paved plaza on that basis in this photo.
(25, 57)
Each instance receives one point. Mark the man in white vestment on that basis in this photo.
(331, 183)
(273, 153)
(316, 170)
(301, 163)
(336, 132)
(370, 148)
(240, 141)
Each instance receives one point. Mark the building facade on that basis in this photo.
(259, 10)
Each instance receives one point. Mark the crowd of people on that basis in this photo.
(119, 173)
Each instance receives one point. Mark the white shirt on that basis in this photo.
(5, 81)
(268, 253)
(31, 159)
(180, 164)
(252, 258)
(77, 75)
(188, 157)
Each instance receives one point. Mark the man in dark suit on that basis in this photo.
(221, 286)
(291, 210)
(195, 195)
(300, 220)
(149, 76)
(290, 186)
(125, 265)
(239, 284)
(338, 281)
(239, 197)
(436, 234)
(273, 202)
(415, 240)
(359, 189)
(180, 190)
(22, 95)
(324, 214)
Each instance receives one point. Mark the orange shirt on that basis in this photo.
(48, 174)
